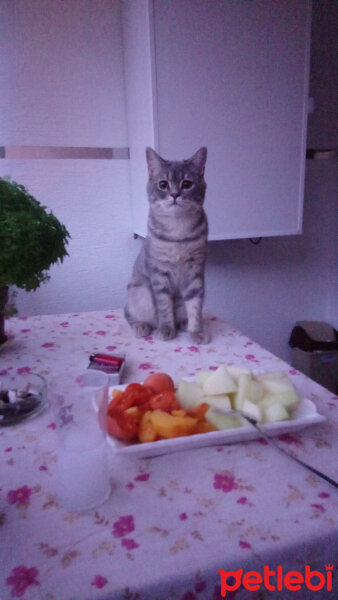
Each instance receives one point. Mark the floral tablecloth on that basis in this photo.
(172, 521)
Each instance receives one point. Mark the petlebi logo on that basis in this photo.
(276, 580)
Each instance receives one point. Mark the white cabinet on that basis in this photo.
(231, 75)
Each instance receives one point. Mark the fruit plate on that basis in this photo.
(304, 415)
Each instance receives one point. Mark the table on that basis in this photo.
(172, 521)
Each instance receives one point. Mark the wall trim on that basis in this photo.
(63, 152)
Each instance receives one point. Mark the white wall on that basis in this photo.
(61, 82)
(61, 73)
(264, 289)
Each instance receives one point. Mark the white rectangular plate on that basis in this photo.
(304, 415)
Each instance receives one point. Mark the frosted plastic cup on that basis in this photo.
(80, 411)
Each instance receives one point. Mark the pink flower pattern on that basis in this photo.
(123, 526)
(142, 477)
(99, 581)
(145, 366)
(20, 496)
(20, 579)
(244, 545)
(129, 544)
(225, 481)
(290, 439)
(24, 370)
(242, 500)
(251, 358)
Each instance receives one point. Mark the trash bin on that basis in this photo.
(315, 352)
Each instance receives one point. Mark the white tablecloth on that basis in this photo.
(172, 521)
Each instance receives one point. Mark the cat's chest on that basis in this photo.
(174, 252)
(178, 258)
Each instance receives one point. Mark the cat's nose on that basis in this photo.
(174, 195)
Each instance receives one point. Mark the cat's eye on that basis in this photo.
(163, 184)
(186, 184)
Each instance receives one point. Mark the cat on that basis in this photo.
(166, 290)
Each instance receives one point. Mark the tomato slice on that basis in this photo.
(122, 426)
(140, 393)
(120, 403)
(165, 401)
(135, 387)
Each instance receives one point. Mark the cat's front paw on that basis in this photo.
(166, 333)
(200, 337)
(142, 329)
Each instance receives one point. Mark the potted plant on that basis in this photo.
(31, 240)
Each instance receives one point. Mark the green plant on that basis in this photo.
(31, 239)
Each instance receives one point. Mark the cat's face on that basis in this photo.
(176, 187)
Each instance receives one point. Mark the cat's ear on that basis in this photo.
(154, 162)
(199, 159)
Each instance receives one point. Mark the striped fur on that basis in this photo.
(166, 290)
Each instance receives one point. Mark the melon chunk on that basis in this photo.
(243, 391)
(276, 382)
(275, 412)
(289, 399)
(219, 382)
(202, 376)
(252, 410)
(267, 401)
(222, 421)
(235, 372)
(256, 391)
(219, 401)
(189, 393)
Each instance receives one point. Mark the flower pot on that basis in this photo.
(3, 302)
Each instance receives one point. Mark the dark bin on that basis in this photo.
(315, 352)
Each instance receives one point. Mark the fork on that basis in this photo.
(252, 421)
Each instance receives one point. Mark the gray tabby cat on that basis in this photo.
(166, 291)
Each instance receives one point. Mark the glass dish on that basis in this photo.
(22, 396)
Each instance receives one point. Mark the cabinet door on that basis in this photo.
(233, 76)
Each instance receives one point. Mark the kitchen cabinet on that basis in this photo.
(231, 75)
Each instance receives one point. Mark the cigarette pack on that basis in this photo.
(112, 365)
